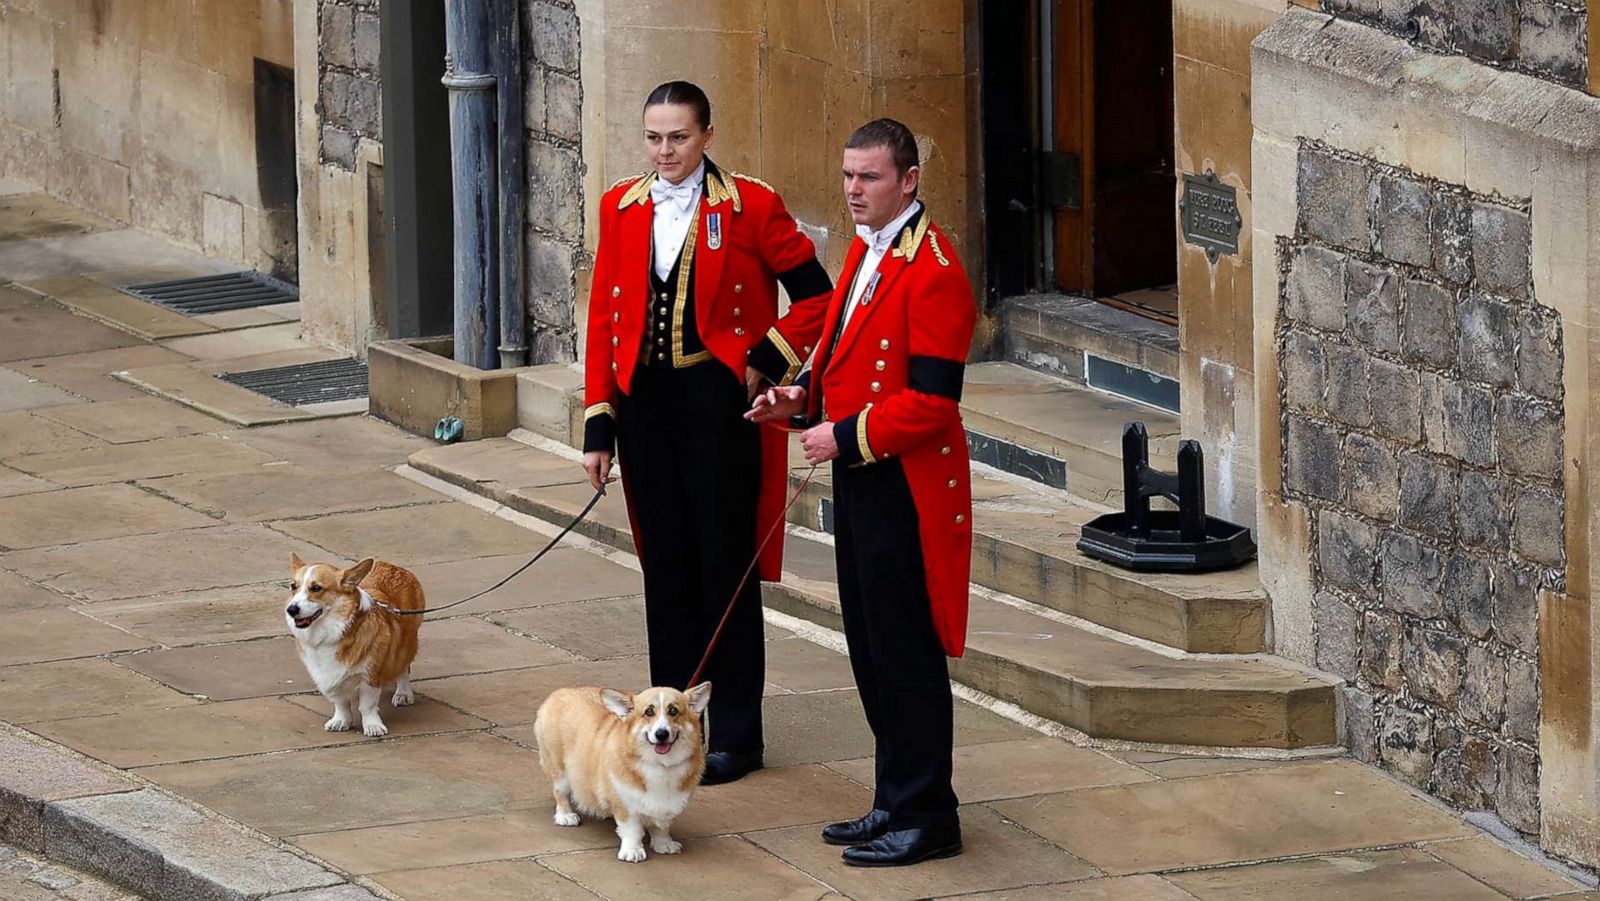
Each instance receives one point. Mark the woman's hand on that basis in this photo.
(777, 403)
(598, 465)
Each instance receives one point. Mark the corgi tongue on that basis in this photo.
(663, 747)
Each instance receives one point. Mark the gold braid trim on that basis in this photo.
(594, 410)
(910, 240)
(639, 192)
(861, 436)
(785, 348)
(933, 243)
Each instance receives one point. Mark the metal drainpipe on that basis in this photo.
(513, 188)
(473, 172)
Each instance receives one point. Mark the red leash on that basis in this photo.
(783, 516)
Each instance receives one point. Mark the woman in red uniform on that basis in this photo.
(683, 330)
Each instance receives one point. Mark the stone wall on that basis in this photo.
(145, 112)
(350, 97)
(552, 47)
(1421, 393)
(1545, 38)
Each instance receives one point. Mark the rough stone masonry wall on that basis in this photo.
(349, 98)
(1545, 38)
(555, 254)
(1422, 412)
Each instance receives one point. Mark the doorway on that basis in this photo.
(276, 180)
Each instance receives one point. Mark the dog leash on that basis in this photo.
(600, 493)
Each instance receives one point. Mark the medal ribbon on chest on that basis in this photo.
(713, 231)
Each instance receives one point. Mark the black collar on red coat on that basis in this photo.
(717, 188)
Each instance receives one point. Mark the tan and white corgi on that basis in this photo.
(353, 648)
(637, 760)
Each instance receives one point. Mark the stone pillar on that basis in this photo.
(555, 202)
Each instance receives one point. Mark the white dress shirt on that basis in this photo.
(675, 207)
(878, 243)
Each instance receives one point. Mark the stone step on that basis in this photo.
(1083, 339)
(1058, 431)
(1025, 544)
(550, 402)
(1059, 670)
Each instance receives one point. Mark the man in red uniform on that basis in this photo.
(884, 391)
(683, 324)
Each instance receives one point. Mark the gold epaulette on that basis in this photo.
(639, 191)
(911, 239)
(933, 242)
(753, 180)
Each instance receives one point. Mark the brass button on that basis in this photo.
(615, 341)
(736, 311)
(950, 484)
(661, 297)
(616, 317)
(961, 517)
(738, 289)
(876, 386)
(661, 356)
(883, 344)
(615, 291)
(661, 311)
(945, 449)
(738, 331)
(661, 342)
(879, 365)
(807, 348)
(613, 367)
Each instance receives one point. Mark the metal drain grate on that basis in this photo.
(307, 383)
(216, 293)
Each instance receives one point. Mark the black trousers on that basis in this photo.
(899, 664)
(693, 466)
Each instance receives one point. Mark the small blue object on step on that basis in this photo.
(448, 430)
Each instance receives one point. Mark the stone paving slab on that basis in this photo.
(36, 774)
(141, 565)
(21, 391)
(368, 783)
(1116, 888)
(231, 729)
(500, 880)
(1014, 769)
(1178, 766)
(1403, 873)
(290, 491)
(1492, 863)
(797, 665)
(117, 309)
(162, 848)
(122, 248)
(439, 843)
(57, 633)
(1312, 809)
(774, 797)
(89, 374)
(26, 216)
(23, 878)
(824, 726)
(38, 692)
(17, 593)
(453, 647)
(196, 385)
(727, 869)
(592, 629)
(334, 444)
(564, 575)
(42, 329)
(513, 697)
(134, 419)
(22, 434)
(89, 514)
(250, 332)
(408, 536)
(13, 483)
(145, 460)
(207, 616)
(996, 855)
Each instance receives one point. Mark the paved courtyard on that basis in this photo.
(143, 552)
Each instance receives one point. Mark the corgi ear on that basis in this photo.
(616, 702)
(699, 697)
(352, 577)
(295, 563)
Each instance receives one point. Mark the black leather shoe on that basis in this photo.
(857, 832)
(729, 766)
(904, 847)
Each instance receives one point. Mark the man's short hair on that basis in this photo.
(891, 134)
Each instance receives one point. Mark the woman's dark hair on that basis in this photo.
(686, 93)
(891, 134)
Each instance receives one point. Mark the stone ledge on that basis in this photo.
(58, 805)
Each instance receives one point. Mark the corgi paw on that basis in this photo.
(337, 724)
(666, 845)
(404, 698)
(631, 855)
(566, 819)
(375, 730)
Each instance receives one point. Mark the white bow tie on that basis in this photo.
(876, 240)
(680, 195)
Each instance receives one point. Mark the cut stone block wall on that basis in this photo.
(350, 96)
(552, 47)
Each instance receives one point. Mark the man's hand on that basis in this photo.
(752, 383)
(777, 403)
(818, 443)
(598, 465)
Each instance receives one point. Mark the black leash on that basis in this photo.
(519, 571)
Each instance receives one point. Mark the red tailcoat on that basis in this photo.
(892, 387)
(745, 244)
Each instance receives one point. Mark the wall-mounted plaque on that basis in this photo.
(1210, 214)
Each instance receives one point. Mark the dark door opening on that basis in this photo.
(276, 181)
(1116, 239)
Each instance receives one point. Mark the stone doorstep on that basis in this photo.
(1025, 544)
(1091, 682)
(55, 804)
(1052, 332)
(195, 385)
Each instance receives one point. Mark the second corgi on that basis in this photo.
(351, 647)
